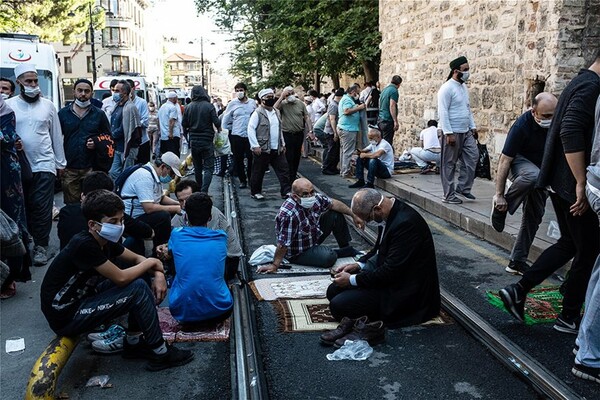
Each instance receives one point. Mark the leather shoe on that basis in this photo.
(372, 332)
(345, 327)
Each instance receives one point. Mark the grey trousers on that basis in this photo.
(465, 150)
(348, 145)
(524, 175)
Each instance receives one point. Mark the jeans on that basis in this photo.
(112, 301)
(465, 149)
(204, 165)
(524, 175)
(588, 338)
(375, 169)
(261, 164)
(71, 184)
(387, 130)
(39, 201)
(348, 145)
(119, 164)
(172, 145)
(293, 151)
(240, 147)
(580, 240)
(160, 221)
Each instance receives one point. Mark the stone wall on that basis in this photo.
(510, 44)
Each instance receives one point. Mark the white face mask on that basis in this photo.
(308, 202)
(291, 98)
(83, 104)
(111, 232)
(4, 96)
(240, 95)
(465, 76)
(373, 142)
(32, 91)
(544, 123)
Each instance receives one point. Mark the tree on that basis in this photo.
(300, 41)
(47, 18)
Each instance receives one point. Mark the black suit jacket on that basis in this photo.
(406, 269)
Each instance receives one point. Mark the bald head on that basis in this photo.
(302, 188)
(544, 105)
(364, 201)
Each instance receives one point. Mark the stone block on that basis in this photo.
(448, 32)
(428, 38)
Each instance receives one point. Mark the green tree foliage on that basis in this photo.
(48, 19)
(279, 42)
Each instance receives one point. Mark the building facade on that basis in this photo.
(516, 48)
(186, 71)
(126, 43)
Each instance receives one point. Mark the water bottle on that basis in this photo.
(184, 148)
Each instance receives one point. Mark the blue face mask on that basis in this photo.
(116, 97)
(165, 179)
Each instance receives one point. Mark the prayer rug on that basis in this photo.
(543, 304)
(313, 315)
(303, 269)
(172, 330)
(297, 287)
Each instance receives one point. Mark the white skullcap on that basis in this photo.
(265, 92)
(288, 88)
(172, 94)
(22, 68)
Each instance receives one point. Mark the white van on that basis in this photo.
(16, 48)
(143, 89)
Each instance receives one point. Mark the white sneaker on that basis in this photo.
(114, 331)
(109, 346)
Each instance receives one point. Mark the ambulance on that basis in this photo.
(143, 89)
(17, 48)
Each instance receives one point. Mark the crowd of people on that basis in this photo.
(123, 240)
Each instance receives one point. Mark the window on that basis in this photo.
(113, 5)
(68, 65)
(120, 63)
(90, 65)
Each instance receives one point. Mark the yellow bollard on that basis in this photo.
(47, 368)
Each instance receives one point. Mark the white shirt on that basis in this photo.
(38, 127)
(253, 124)
(319, 108)
(143, 185)
(364, 95)
(166, 113)
(387, 158)
(430, 138)
(108, 105)
(454, 109)
(311, 112)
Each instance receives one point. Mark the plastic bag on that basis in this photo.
(483, 165)
(221, 142)
(553, 230)
(358, 350)
(100, 380)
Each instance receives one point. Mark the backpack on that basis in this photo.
(122, 178)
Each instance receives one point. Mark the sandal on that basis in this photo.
(9, 292)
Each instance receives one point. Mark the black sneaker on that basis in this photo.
(369, 185)
(567, 325)
(135, 351)
(452, 200)
(329, 172)
(589, 373)
(467, 195)
(516, 267)
(243, 185)
(358, 184)
(174, 357)
(497, 218)
(514, 300)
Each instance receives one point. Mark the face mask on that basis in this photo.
(165, 179)
(151, 109)
(465, 76)
(4, 96)
(111, 232)
(544, 123)
(240, 95)
(269, 102)
(32, 91)
(83, 104)
(373, 142)
(291, 98)
(117, 97)
(308, 202)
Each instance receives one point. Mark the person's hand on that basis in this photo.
(257, 151)
(475, 133)
(311, 135)
(360, 224)
(500, 203)
(267, 269)
(581, 204)
(18, 145)
(349, 268)
(89, 144)
(59, 173)
(283, 149)
(396, 126)
(170, 135)
(342, 279)
(162, 251)
(451, 140)
(336, 138)
(159, 287)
